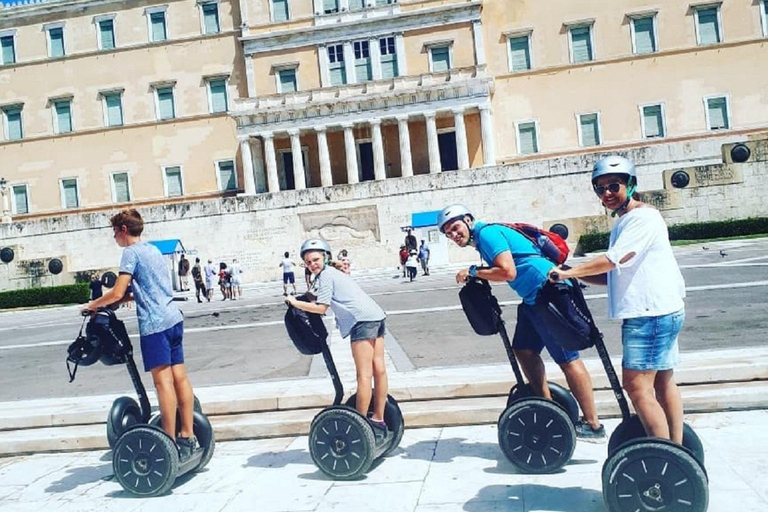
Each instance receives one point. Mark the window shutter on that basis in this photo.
(70, 194)
(440, 59)
(356, 5)
(211, 18)
(63, 116)
(521, 56)
(528, 144)
(227, 175)
(20, 198)
(57, 41)
(389, 66)
(709, 32)
(107, 33)
(15, 129)
(287, 80)
(9, 52)
(581, 43)
(280, 10)
(173, 179)
(718, 113)
(114, 110)
(122, 192)
(218, 95)
(167, 109)
(654, 127)
(330, 6)
(645, 41)
(158, 26)
(338, 75)
(590, 134)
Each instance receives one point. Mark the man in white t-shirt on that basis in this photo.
(210, 274)
(646, 291)
(288, 274)
(235, 272)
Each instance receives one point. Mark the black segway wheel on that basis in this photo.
(341, 443)
(145, 461)
(123, 414)
(536, 435)
(654, 474)
(393, 417)
(633, 429)
(560, 395)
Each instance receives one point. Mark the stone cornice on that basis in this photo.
(370, 27)
(19, 12)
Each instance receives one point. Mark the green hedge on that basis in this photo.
(67, 294)
(591, 242)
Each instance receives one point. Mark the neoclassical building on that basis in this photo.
(113, 102)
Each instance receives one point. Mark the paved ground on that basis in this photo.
(434, 470)
(246, 340)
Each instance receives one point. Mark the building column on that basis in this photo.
(273, 183)
(247, 156)
(486, 126)
(378, 150)
(300, 183)
(435, 165)
(402, 69)
(5, 202)
(461, 139)
(349, 147)
(250, 79)
(326, 179)
(477, 32)
(375, 53)
(258, 165)
(406, 161)
(349, 62)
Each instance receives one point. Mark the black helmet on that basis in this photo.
(84, 351)
(109, 332)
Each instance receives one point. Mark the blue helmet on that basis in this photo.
(451, 213)
(315, 244)
(614, 164)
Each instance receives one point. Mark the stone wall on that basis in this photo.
(366, 218)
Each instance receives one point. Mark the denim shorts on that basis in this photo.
(531, 333)
(650, 342)
(368, 330)
(163, 348)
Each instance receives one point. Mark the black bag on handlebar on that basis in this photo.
(564, 312)
(306, 330)
(481, 307)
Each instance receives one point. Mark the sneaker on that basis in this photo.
(585, 432)
(187, 447)
(380, 431)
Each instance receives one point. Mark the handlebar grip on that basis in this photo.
(554, 276)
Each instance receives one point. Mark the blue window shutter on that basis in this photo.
(521, 55)
(581, 43)
(157, 20)
(590, 134)
(107, 34)
(9, 52)
(718, 113)
(173, 179)
(330, 6)
(63, 116)
(654, 125)
(280, 10)
(287, 80)
(56, 36)
(15, 128)
(114, 110)
(20, 199)
(122, 190)
(218, 95)
(709, 31)
(528, 144)
(440, 59)
(211, 18)
(70, 194)
(166, 107)
(645, 40)
(227, 175)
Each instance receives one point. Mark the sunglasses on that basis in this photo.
(613, 187)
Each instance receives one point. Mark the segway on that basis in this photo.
(536, 435)
(641, 472)
(145, 459)
(342, 442)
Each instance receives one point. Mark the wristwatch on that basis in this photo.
(472, 270)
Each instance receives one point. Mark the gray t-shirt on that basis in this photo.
(151, 285)
(347, 300)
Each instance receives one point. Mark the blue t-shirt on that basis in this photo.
(151, 283)
(532, 268)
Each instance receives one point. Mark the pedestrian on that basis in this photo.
(646, 291)
(161, 326)
(224, 284)
(95, 287)
(184, 273)
(236, 280)
(403, 258)
(515, 259)
(210, 277)
(288, 274)
(357, 317)
(197, 277)
(410, 241)
(412, 264)
(345, 262)
(424, 257)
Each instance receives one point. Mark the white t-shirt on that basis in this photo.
(650, 283)
(412, 261)
(287, 265)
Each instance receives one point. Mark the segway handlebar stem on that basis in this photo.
(337, 385)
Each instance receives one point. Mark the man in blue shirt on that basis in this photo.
(513, 258)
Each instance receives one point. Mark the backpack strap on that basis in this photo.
(524, 255)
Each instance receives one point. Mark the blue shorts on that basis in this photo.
(288, 277)
(368, 330)
(532, 333)
(163, 348)
(650, 342)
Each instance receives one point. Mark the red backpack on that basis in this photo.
(551, 245)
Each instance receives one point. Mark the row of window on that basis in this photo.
(112, 106)
(280, 9)
(652, 120)
(173, 185)
(644, 34)
(157, 30)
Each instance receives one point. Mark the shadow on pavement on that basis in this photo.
(278, 459)
(535, 497)
(81, 476)
(446, 450)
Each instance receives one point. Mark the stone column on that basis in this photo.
(375, 53)
(432, 144)
(349, 62)
(273, 183)
(461, 139)
(406, 161)
(378, 150)
(5, 203)
(486, 125)
(402, 70)
(326, 179)
(258, 165)
(247, 156)
(477, 32)
(349, 146)
(249, 76)
(298, 161)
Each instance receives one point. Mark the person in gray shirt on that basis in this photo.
(357, 316)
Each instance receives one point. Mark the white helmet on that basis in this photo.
(451, 213)
(614, 164)
(315, 244)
